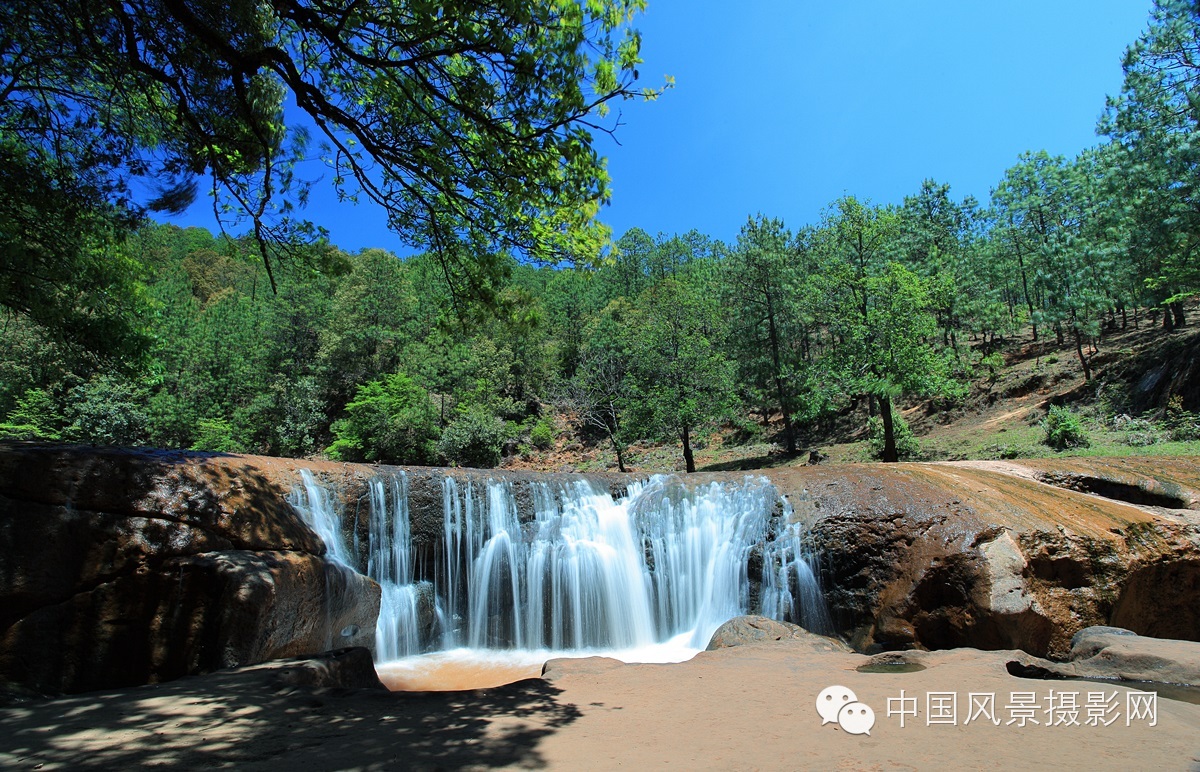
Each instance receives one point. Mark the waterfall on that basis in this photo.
(397, 630)
(663, 565)
(312, 502)
(790, 587)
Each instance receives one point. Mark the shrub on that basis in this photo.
(994, 363)
(1182, 425)
(476, 438)
(36, 417)
(391, 419)
(907, 445)
(542, 433)
(1143, 438)
(745, 431)
(1064, 429)
(1003, 451)
(216, 435)
(108, 411)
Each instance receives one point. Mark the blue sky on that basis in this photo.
(782, 106)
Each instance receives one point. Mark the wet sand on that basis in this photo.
(750, 707)
(447, 673)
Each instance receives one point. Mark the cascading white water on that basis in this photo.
(312, 502)
(398, 630)
(787, 563)
(663, 565)
(389, 562)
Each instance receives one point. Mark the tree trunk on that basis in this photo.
(688, 459)
(1087, 371)
(889, 431)
(1025, 287)
(620, 454)
(1177, 310)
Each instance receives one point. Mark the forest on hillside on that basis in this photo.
(156, 335)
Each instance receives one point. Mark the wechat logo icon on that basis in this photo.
(837, 704)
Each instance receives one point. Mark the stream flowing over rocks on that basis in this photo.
(122, 567)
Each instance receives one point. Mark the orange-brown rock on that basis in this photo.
(1004, 555)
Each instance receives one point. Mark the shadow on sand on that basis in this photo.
(242, 722)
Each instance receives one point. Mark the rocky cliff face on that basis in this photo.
(126, 567)
(1004, 555)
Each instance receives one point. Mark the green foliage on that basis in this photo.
(1152, 161)
(1181, 425)
(108, 410)
(474, 439)
(290, 416)
(1063, 429)
(601, 393)
(878, 311)
(542, 433)
(61, 255)
(169, 336)
(1004, 451)
(160, 95)
(757, 280)
(36, 417)
(1143, 437)
(745, 431)
(682, 379)
(391, 419)
(994, 364)
(907, 445)
(217, 435)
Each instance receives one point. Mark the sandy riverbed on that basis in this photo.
(750, 707)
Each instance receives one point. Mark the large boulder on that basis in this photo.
(749, 630)
(350, 668)
(1112, 652)
(127, 567)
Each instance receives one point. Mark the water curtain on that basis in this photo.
(663, 563)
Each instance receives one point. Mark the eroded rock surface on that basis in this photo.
(350, 668)
(946, 555)
(1112, 652)
(127, 567)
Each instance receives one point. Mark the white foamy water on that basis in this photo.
(464, 668)
(646, 577)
